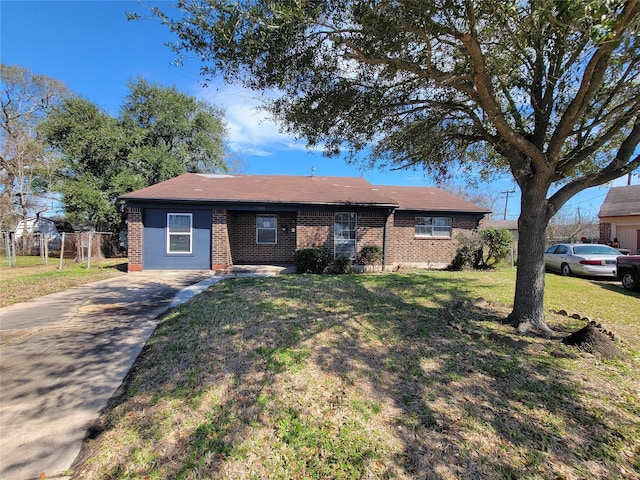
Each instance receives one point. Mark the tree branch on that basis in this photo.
(623, 163)
(591, 80)
(489, 103)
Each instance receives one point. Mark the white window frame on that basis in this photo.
(339, 240)
(273, 218)
(188, 234)
(431, 228)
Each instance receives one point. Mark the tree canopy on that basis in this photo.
(160, 133)
(27, 168)
(547, 90)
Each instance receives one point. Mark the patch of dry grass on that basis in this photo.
(31, 279)
(360, 377)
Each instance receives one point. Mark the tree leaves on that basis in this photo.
(548, 89)
(160, 134)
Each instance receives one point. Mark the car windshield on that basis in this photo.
(595, 250)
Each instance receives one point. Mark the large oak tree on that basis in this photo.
(159, 134)
(547, 89)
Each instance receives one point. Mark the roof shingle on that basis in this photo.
(621, 202)
(308, 190)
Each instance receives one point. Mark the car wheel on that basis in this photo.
(565, 270)
(629, 281)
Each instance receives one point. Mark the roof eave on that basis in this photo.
(443, 210)
(254, 202)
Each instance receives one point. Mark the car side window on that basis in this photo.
(561, 250)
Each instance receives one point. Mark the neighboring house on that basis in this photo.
(620, 217)
(198, 221)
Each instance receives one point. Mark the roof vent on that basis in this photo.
(215, 175)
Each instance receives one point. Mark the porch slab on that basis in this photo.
(258, 269)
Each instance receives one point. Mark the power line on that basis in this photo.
(506, 201)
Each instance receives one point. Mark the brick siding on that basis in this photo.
(315, 229)
(371, 228)
(245, 248)
(403, 247)
(233, 237)
(134, 238)
(220, 249)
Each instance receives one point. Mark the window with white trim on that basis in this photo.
(179, 232)
(345, 229)
(266, 230)
(430, 227)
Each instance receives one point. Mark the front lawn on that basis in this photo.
(359, 376)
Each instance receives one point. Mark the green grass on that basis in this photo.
(358, 376)
(31, 279)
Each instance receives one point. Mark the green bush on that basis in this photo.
(371, 255)
(498, 245)
(482, 249)
(469, 254)
(312, 260)
(342, 265)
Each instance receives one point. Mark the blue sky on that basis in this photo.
(94, 50)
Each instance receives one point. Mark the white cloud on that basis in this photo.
(251, 130)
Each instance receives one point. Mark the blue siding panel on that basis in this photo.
(154, 248)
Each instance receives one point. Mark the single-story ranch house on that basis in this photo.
(198, 221)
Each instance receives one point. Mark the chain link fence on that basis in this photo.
(80, 247)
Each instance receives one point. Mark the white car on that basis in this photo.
(586, 259)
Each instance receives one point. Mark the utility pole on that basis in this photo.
(506, 202)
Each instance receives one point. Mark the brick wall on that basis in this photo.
(243, 242)
(134, 238)
(403, 247)
(315, 229)
(233, 237)
(371, 228)
(220, 249)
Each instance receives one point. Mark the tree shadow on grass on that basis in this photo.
(347, 377)
(62, 357)
(618, 289)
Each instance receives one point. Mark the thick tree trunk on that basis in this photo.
(528, 303)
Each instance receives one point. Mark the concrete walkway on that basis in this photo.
(63, 356)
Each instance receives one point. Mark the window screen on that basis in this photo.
(266, 230)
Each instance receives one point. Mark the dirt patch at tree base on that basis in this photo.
(592, 340)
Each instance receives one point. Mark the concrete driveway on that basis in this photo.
(63, 356)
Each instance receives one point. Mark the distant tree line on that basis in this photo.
(58, 147)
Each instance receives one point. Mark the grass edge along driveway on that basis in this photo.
(359, 377)
(31, 279)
